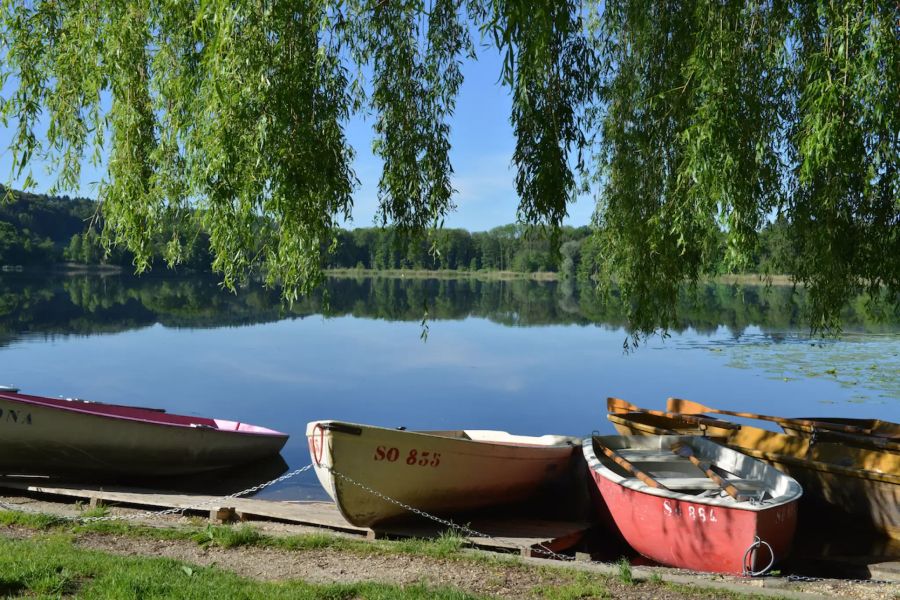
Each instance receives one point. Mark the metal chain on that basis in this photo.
(464, 529)
(176, 511)
(808, 579)
(467, 531)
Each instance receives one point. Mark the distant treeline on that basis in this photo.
(92, 304)
(44, 230)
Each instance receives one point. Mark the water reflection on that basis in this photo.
(91, 304)
(523, 356)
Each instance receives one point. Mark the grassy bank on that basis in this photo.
(54, 566)
(45, 556)
(444, 274)
(739, 279)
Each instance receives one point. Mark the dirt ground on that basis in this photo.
(500, 580)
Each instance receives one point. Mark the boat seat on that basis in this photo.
(649, 457)
(705, 483)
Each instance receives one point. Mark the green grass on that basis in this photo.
(101, 510)
(52, 567)
(625, 574)
(49, 566)
(31, 520)
(583, 586)
(228, 537)
(447, 545)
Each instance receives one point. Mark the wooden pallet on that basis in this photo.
(527, 536)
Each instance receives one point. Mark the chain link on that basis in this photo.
(809, 579)
(541, 549)
(464, 529)
(175, 511)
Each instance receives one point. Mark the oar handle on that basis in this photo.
(865, 441)
(684, 450)
(628, 465)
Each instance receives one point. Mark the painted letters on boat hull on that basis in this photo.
(437, 472)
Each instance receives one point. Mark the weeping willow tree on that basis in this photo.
(717, 117)
(692, 120)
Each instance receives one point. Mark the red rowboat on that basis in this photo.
(687, 502)
(49, 436)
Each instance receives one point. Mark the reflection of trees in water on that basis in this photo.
(87, 304)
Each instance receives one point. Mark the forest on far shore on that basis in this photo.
(41, 231)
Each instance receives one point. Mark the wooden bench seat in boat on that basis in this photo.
(650, 457)
(704, 483)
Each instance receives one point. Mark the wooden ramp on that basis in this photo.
(506, 533)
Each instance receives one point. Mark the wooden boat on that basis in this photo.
(865, 433)
(860, 486)
(438, 471)
(687, 502)
(47, 436)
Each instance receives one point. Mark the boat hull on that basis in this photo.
(429, 472)
(672, 532)
(697, 534)
(47, 439)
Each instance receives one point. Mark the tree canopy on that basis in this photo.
(690, 119)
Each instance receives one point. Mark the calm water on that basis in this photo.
(526, 357)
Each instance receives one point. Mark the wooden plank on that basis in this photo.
(506, 533)
(703, 483)
(614, 456)
(685, 450)
(323, 514)
(889, 571)
(637, 456)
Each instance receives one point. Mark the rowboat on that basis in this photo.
(371, 472)
(687, 502)
(841, 481)
(55, 436)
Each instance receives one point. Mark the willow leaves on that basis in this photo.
(717, 117)
(705, 121)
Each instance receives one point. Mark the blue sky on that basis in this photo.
(482, 141)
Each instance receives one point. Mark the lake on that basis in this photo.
(523, 356)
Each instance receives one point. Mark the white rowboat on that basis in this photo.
(438, 472)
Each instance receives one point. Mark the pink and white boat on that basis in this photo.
(50, 436)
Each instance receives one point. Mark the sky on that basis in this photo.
(482, 148)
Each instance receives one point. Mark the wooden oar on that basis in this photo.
(619, 406)
(850, 433)
(627, 465)
(689, 406)
(682, 449)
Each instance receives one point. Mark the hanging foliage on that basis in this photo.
(704, 121)
(718, 117)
